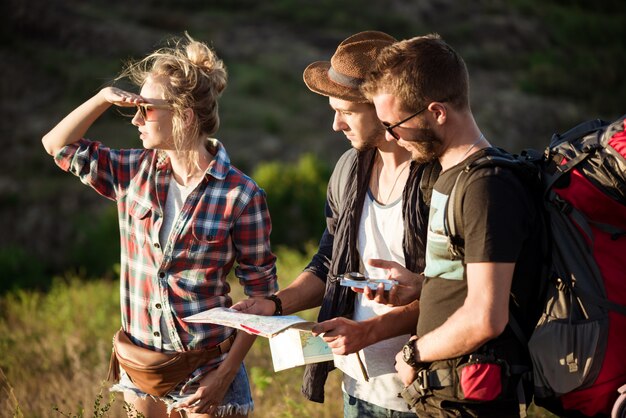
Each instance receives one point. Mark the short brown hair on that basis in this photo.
(419, 71)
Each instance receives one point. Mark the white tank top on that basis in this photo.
(381, 232)
(176, 196)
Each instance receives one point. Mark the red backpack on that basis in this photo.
(591, 190)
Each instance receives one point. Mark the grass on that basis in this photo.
(56, 345)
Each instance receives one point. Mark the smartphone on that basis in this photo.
(358, 280)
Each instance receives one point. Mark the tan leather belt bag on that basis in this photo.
(158, 373)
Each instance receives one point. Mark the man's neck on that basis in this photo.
(392, 155)
(462, 141)
(390, 172)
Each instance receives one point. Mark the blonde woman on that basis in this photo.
(186, 217)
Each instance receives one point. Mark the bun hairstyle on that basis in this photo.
(193, 77)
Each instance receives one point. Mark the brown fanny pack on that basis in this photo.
(158, 373)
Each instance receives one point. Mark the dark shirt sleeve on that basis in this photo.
(320, 263)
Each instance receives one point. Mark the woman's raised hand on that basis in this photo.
(119, 97)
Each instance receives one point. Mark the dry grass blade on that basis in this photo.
(14, 405)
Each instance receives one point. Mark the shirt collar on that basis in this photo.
(219, 166)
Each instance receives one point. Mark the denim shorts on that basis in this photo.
(237, 400)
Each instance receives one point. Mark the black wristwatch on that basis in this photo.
(408, 353)
(279, 306)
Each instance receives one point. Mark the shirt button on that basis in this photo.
(161, 274)
(158, 306)
(157, 245)
(157, 334)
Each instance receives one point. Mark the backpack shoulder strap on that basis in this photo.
(452, 215)
(452, 211)
(428, 178)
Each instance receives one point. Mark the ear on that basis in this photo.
(188, 117)
(439, 112)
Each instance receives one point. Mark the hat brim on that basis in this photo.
(316, 79)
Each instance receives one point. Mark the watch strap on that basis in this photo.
(279, 305)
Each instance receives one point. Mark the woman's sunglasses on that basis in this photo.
(145, 108)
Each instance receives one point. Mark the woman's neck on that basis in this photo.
(189, 166)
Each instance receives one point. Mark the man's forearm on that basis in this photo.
(482, 317)
(305, 292)
(399, 321)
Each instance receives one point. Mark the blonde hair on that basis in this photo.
(193, 77)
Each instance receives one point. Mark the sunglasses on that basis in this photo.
(145, 109)
(389, 128)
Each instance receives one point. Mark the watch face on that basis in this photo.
(407, 353)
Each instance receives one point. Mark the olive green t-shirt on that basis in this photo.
(499, 225)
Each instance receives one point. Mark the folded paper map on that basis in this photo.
(290, 338)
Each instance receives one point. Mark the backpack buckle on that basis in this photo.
(422, 380)
(455, 247)
(417, 389)
(561, 286)
(562, 205)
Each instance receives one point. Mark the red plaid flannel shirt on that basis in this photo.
(225, 219)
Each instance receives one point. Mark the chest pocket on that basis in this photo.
(211, 238)
(140, 215)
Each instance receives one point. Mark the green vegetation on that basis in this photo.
(97, 245)
(322, 14)
(57, 345)
(585, 54)
(295, 194)
(21, 270)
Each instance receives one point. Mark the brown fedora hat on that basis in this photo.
(345, 72)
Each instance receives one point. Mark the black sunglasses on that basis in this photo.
(389, 128)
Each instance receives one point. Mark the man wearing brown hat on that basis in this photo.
(375, 210)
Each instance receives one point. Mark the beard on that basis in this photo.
(370, 140)
(426, 147)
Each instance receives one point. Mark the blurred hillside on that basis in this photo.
(536, 67)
